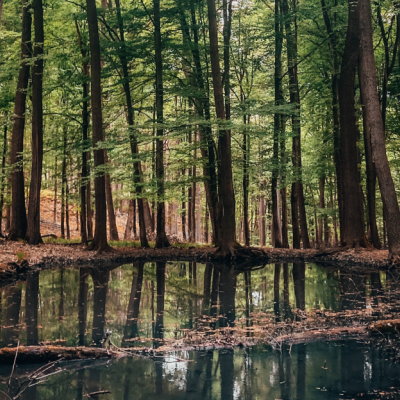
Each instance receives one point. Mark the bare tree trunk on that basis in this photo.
(3, 171)
(277, 123)
(192, 237)
(110, 205)
(63, 183)
(18, 211)
(55, 192)
(85, 126)
(321, 206)
(352, 223)
(375, 124)
(161, 239)
(132, 137)
(129, 221)
(261, 221)
(33, 231)
(225, 178)
(371, 179)
(99, 242)
(67, 208)
(245, 183)
(183, 211)
(337, 152)
(299, 217)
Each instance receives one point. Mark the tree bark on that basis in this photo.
(371, 179)
(33, 231)
(277, 124)
(3, 171)
(225, 178)
(161, 239)
(352, 223)
(375, 124)
(63, 183)
(110, 205)
(18, 211)
(99, 242)
(183, 212)
(129, 221)
(132, 137)
(85, 126)
(299, 217)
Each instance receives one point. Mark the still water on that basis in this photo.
(335, 370)
(164, 301)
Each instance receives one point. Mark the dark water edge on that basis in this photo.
(319, 370)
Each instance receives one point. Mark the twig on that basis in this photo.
(15, 360)
(97, 393)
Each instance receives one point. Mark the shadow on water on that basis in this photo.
(149, 303)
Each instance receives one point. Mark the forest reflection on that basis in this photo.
(147, 302)
(350, 371)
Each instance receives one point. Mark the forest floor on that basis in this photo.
(58, 252)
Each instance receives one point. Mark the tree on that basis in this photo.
(161, 239)
(376, 129)
(225, 178)
(352, 219)
(99, 242)
(33, 232)
(18, 211)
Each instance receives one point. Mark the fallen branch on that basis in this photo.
(41, 354)
(97, 393)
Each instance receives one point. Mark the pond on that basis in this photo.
(148, 303)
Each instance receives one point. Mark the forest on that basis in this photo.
(233, 123)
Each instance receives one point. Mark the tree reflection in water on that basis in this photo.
(171, 296)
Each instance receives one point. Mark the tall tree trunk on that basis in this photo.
(299, 217)
(55, 192)
(183, 212)
(67, 208)
(352, 223)
(18, 211)
(203, 108)
(371, 179)
(161, 239)
(99, 242)
(110, 205)
(129, 221)
(63, 183)
(3, 172)
(245, 183)
(225, 178)
(192, 238)
(285, 235)
(85, 126)
(89, 211)
(277, 124)
(33, 231)
(375, 124)
(132, 137)
(321, 206)
(337, 152)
